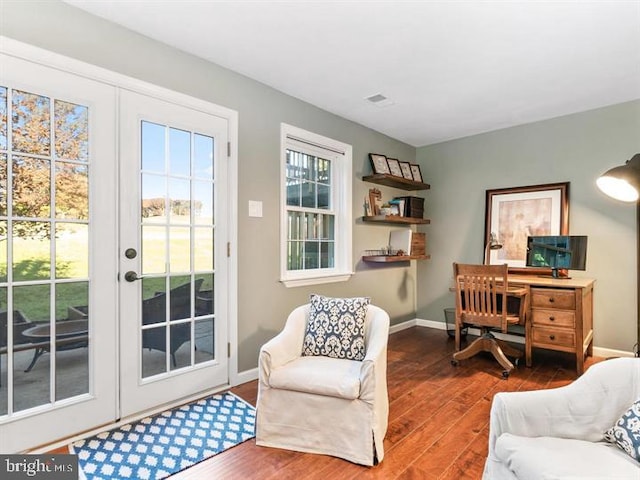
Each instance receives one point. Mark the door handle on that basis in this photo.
(132, 276)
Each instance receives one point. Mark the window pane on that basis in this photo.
(205, 347)
(324, 171)
(312, 226)
(3, 252)
(72, 301)
(203, 203)
(3, 184)
(203, 249)
(72, 191)
(179, 200)
(31, 186)
(31, 251)
(293, 192)
(179, 152)
(294, 256)
(3, 119)
(324, 199)
(311, 255)
(309, 166)
(153, 351)
(153, 147)
(4, 400)
(153, 206)
(72, 250)
(71, 131)
(203, 156)
(31, 123)
(327, 230)
(154, 249)
(326, 255)
(205, 297)
(308, 194)
(180, 345)
(154, 301)
(179, 249)
(180, 297)
(295, 226)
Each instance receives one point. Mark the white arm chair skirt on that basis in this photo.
(559, 433)
(324, 405)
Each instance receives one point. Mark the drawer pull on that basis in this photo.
(552, 318)
(551, 300)
(552, 337)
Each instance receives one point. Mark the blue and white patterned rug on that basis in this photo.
(158, 446)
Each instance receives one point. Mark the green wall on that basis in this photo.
(263, 302)
(575, 148)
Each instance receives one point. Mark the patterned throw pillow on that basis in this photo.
(626, 431)
(336, 327)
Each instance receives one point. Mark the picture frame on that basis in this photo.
(379, 163)
(375, 201)
(406, 170)
(513, 214)
(416, 172)
(394, 167)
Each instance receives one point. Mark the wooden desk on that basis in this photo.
(560, 315)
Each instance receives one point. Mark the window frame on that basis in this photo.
(340, 155)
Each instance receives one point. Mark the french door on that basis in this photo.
(114, 223)
(173, 260)
(58, 227)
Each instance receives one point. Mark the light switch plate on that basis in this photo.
(255, 208)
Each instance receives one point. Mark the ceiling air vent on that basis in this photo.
(379, 100)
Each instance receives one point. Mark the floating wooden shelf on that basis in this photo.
(397, 182)
(393, 258)
(397, 219)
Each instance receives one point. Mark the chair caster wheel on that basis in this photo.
(505, 374)
(454, 363)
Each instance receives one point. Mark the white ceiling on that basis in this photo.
(450, 68)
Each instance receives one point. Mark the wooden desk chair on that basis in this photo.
(481, 301)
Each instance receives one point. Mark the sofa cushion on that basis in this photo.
(336, 327)
(626, 431)
(538, 458)
(319, 375)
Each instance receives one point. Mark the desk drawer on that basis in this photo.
(553, 298)
(560, 339)
(550, 317)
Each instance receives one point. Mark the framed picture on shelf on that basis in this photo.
(406, 170)
(417, 174)
(394, 167)
(379, 163)
(513, 214)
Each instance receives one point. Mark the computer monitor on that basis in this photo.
(557, 252)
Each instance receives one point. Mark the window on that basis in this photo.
(316, 209)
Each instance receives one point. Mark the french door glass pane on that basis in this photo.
(31, 123)
(177, 229)
(44, 240)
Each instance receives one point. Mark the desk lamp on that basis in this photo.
(492, 244)
(623, 183)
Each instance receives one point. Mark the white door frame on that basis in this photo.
(44, 57)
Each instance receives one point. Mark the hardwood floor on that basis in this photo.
(438, 419)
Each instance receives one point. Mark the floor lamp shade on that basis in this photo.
(623, 182)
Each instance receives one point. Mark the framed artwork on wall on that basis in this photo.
(513, 214)
(379, 163)
(406, 170)
(415, 171)
(394, 167)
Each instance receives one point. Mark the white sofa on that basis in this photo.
(324, 405)
(559, 433)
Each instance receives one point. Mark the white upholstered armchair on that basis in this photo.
(324, 405)
(559, 433)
